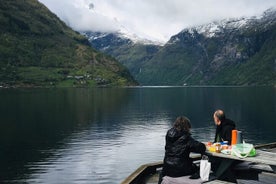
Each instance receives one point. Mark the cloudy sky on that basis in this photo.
(151, 19)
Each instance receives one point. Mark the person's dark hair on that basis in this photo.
(182, 123)
(220, 115)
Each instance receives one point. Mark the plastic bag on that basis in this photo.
(243, 150)
(205, 168)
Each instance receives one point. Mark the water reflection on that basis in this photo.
(34, 123)
(102, 135)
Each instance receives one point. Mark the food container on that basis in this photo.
(218, 147)
(224, 142)
(224, 147)
(212, 148)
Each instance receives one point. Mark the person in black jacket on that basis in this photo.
(223, 133)
(179, 144)
(224, 127)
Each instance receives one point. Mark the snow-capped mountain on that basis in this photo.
(229, 52)
(218, 28)
(103, 40)
(125, 33)
(122, 36)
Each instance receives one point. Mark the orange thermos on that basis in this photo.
(234, 137)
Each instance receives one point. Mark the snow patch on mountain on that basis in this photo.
(95, 36)
(124, 33)
(223, 27)
(214, 28)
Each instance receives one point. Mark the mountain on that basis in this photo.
(228, 52)
(132, 53)
(38, 49)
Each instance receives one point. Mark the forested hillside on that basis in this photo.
(38, 49)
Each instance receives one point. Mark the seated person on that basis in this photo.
(179, 145)
(224, 127)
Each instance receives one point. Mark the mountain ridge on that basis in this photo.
(230, 52)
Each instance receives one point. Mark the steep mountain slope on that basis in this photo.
(237, 52)
(131, 53)
(228, 52)
(37, 49)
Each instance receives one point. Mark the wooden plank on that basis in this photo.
(268, 178)
(262, 157)
(134, 175)
(266, 146)
(218, 182)
(249, 182)
(145, 169)
(261, 167)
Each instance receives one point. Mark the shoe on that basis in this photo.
(195, 176)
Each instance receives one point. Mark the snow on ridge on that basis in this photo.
(97, 35)
(136, 39)
(213, 28)
(209, 30)
(102, 35)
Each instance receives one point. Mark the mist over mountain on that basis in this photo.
(38, 49)
(240, 51)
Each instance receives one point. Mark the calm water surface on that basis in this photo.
(101, 135)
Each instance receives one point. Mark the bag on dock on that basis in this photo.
(205, 168)
(243, 150)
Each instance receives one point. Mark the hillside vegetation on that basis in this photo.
(38, 49)
(228, 52)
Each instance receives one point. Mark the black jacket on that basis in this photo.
(177, 150)
(224, 131)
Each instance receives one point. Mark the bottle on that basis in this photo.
(234, 137)
(239, 137)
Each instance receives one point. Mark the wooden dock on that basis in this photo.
(264, 163)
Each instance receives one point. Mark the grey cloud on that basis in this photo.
(153, 19)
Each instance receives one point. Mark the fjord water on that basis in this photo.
(102, 135)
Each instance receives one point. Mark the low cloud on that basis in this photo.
(151, 19)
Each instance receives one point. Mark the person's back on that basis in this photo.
(179, 144)
(226, 130)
